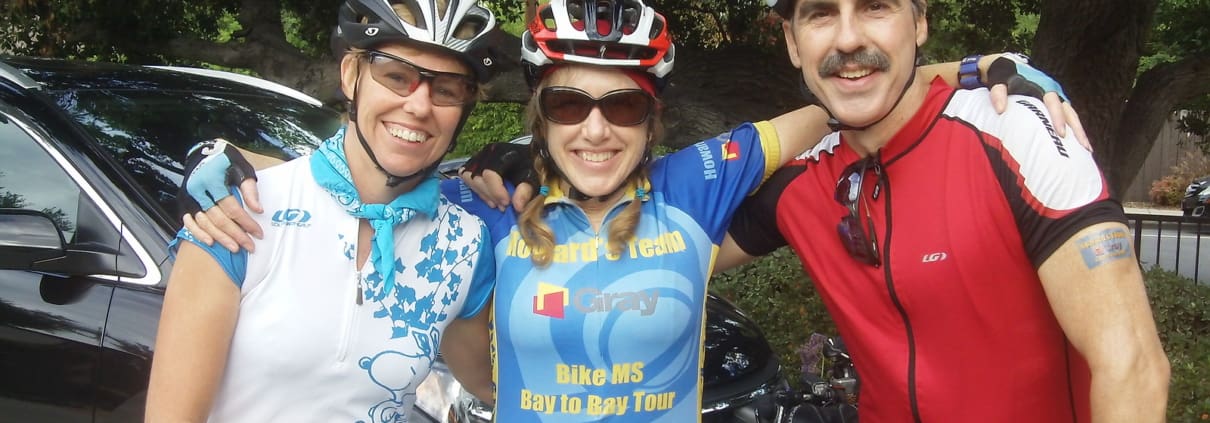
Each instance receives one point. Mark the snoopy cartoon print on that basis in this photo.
(399, 372)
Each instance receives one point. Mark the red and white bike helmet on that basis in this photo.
(621, 33)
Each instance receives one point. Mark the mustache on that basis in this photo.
(863, 58)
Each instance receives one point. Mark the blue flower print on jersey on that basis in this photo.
(347, 247)
(397, 372)
(426, 287)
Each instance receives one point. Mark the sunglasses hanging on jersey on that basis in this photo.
(857, 234)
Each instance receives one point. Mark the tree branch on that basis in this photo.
(714, 16)
(263, 21)
(1156, 93)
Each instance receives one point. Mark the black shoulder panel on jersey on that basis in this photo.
(1042, 242)
(754, 226)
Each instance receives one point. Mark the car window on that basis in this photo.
(149, 131)
(30, 179)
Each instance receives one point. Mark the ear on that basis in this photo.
(348, 74)
(922, 29)
(791, 44)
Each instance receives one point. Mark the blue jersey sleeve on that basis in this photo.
(235, 264)
(709, 179)
(484, 279)
(498, 222)
(458, 193)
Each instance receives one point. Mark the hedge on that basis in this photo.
(775, 292)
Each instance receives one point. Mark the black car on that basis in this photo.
(90, 158)
(1197, 196)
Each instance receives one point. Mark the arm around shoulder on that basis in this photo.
(201, 306)
(1095, 288)
(799, 130)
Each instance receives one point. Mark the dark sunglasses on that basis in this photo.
(568, 106)
(859, 240)
(403, 77)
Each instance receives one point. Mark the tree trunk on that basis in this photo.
(1157, 92)
(1093, 48)
(712, 91)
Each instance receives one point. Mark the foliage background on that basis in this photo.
(1126, 64)
(774, 292)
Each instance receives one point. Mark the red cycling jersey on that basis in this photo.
(954, 326)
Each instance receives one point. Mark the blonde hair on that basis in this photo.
(531, 223)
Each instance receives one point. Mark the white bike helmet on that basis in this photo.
(461, 27)
(622, 33)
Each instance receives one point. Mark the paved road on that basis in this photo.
(1177, 247)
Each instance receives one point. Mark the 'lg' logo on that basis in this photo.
(934, 257)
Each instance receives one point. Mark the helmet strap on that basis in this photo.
(392, 180)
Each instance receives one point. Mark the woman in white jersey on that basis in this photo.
(366, 270)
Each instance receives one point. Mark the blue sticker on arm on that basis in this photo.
(1104, 246)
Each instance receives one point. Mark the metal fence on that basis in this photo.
(1173, 243)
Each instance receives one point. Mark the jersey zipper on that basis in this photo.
(357, 294)
(601, 242)
(884, 180)
(346, 331)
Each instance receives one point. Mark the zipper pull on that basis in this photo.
(359, 291)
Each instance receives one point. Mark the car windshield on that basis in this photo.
(149, 132)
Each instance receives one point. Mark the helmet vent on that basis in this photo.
(442, 9)
(575, 13)
(657, 26)
(469, 28)
(409, 13)
(547, 17)
(604, 17)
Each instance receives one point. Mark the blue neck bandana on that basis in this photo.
(331, 170)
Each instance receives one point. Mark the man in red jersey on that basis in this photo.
(974, 263)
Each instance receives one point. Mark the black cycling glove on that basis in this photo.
(513, 162)
(1022, 79)
(212, 168)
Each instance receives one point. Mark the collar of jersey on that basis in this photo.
(557, 195)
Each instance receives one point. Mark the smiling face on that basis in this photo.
(406, 133)
(595, 155)
(856, 55)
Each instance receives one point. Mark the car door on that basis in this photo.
(52, 320)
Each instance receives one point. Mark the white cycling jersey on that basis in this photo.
(318, 339)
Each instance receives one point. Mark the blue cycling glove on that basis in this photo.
(212, 169)
(1015, 72)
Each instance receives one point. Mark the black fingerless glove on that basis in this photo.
(513, 162)
(1022, 79)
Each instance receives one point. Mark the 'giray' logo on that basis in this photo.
(552, 301)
